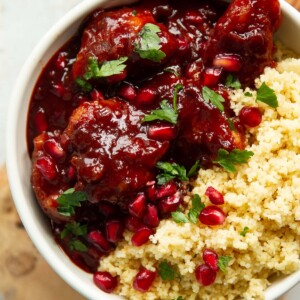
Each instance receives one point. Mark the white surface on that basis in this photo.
(22, 23)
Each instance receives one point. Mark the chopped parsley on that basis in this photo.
(266, 95)
(232, 82)
(170, 171)
(84, 85)
(166, 112)
(149, 46)
(248, 94)
(228, 160)
(134, 13)
(193, 214)
(244, 232)
(223, 262)
(105, 69)
(75, 230)
(174, 70)
(194, 169)
(211, 96)
(165, 271)
(69, 200)
(231, 125)
(173, 170)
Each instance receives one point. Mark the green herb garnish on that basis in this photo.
(211, 96)
(248, 94)
(134, 13)
(149, 45)
(232, 82)
(267, 96)
(75, 230)
(231, 125)
(193, 214)
(194, 169)
(166, 113)
(170, 171)
(69, 200)
(228, 160)
(165, 271)
(244, 232)
(105, 69)
(223, 262)
(197, 207)
(84, 85)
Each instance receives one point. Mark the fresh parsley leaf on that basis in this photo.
(267, 96)
(211, 96)
(78, 246)
(194, 169)
(84, 85)
(231, 125)
(197, 207)
(165, 271)
(228, 160)
(179, 217)
(232, 82)
(149, 45)
(244, 232)
(174, 70)
(170, 171)
(106, 69)
(68, 200)
(248, 94)
(166, 113)
(134, 13)
(223, 262)
(75, 229)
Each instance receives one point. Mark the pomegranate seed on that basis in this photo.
(205, 275)
(116, 78)
(107, 209)
(58, 90)
(141, 236)
(97, 95)
(47, 168)
(194, 70)
(97, 238)
(137, 207)
(53, 148)
(145, 96)
(61, 61)
(214, 196)
(128, 92)
(151, 193)
(143, 280)
(151, 217)
(71, 173)
(162, 132)
(167, 190)
(170, 204)
(211, 76)
(250, 116)
(230, 62)
(40, 121)
(105, 281)
(210, 258)
(133, 223)
(114, 230)
(212, 215)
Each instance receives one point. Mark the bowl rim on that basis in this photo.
(59, 265)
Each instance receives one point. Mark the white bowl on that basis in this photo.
(19, 165)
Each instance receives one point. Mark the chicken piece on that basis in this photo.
(246, 30)
(111, 35)
(113, 156)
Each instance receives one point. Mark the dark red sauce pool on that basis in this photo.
(86, 127)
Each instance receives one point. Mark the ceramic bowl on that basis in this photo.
(18, 161)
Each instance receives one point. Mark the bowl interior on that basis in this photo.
(19, 165)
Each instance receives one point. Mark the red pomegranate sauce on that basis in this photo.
(95, 130)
